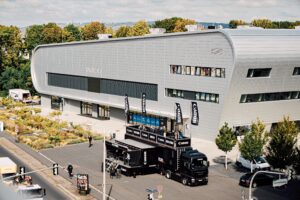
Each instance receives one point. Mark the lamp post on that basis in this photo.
(104, 169)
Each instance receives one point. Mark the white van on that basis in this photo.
(7, 168)
(20, 95)
(258, 163)
(32, 192)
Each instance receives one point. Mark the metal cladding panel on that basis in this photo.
(143, 59)
(279, 50)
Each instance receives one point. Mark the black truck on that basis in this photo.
(148, 150)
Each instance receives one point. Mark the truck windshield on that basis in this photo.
(198, 162)
(30, 194)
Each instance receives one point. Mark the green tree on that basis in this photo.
(52, 33)
(110, 30)
(264, 23)
(283, 25)
(91, 30)
(34, 37)
(138, 29)
(181, 23)
(122, 31)
(11, 47)
(226, 140)
(169, 24)
(253, 142)
(281, 149)
(71, 33)
(20, 77)
(235, 23)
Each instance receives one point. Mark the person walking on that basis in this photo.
(90, 140)
(70, 170)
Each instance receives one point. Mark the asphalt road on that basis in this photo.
(52, 193)
(222, 184)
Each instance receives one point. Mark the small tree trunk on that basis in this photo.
(251, 166)
(226, 160)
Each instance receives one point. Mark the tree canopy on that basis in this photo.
(181, 23)
(264, 23)
(91, 30)
(52, 33)
(34, 37)
(12, 47)
(235, 23)
(254, 141)
(123, 31)
(71, 33)
(169, 24)
(226, 140)
(281, 149)
(138, 29)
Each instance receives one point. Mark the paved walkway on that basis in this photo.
(117, 126)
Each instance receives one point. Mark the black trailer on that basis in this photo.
(170, 155)
(131, 156)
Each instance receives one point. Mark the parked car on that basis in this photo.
(258, 163)
(259, 180)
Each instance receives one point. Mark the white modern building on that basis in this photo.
(235, 76)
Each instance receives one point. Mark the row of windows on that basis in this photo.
(275, 96)
(197, 71)
(107, 86)
(190, 95)
(265, 72)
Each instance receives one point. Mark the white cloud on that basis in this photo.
(27, 12)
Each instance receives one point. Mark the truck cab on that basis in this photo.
(193, 168)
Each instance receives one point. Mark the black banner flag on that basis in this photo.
(178, 114)
(144, 103)
(195, 114)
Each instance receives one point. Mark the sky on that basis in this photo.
(27, 12)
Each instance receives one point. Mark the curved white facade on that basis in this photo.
(148, 59)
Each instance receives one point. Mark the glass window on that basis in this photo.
(173, 69)
(193, 71)
(218, 72)
(222, 72)
(188, 70)
(207, 97)
(261, 72)
(197, 96)
(213, 97)
(179, 69)
(296, 71)
(202, 71)
(202, 96)
(213, 72)
(197, 71)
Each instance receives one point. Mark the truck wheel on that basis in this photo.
(168, 174)
(184, 181)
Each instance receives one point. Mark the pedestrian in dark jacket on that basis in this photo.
(90, 140)
(70, 170)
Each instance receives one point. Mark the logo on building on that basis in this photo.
(93, 70)
(216, 51)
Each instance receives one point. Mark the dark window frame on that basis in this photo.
(273, 96)
(296, 71)
(258, 72)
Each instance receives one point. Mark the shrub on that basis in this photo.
(98, 137)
